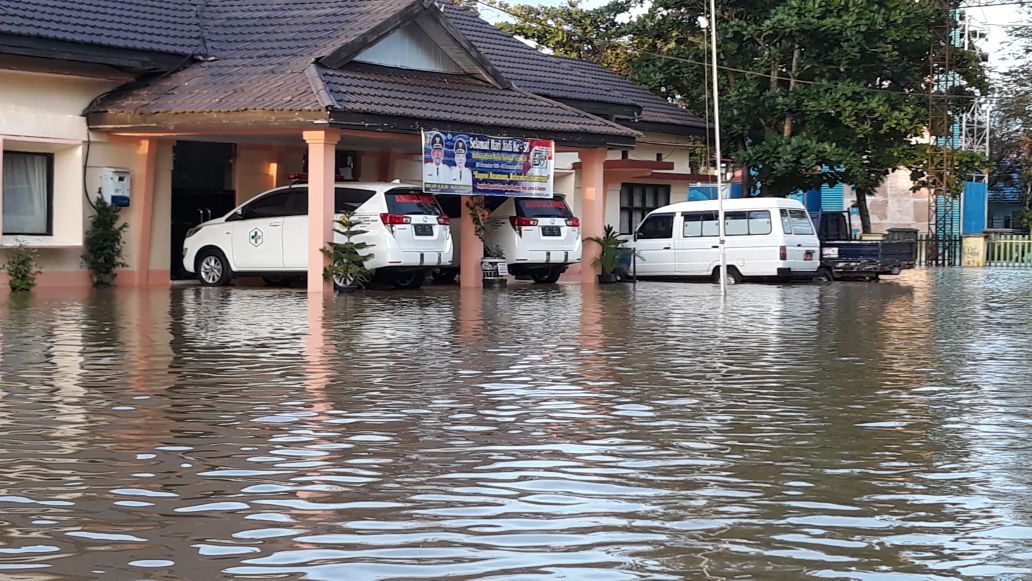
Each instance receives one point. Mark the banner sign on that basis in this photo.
(482, 165)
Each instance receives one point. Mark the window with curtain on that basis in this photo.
(27, 192)
(637, 200)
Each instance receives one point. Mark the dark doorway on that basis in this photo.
(202, 189)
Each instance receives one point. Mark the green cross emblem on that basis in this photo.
(256, 237)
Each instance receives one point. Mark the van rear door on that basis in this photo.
(546, 225)
(802, 249)
(416, 221)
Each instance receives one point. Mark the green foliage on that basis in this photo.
(965, 164)
(478, 213)
(598, 34)
(348, 258)
(22, 265)
(823, 92)
(1026, 217)
(608, 260)
(104, 243)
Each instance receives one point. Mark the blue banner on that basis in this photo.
(482, 165)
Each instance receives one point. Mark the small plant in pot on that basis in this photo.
(104, 244)
(22, 266)
(493, 263)
(608, 259)
(347, 259)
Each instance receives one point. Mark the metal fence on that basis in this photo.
(938, 250)
(1010, 250)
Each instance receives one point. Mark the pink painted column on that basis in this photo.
(471, 250)
(592, 208)
(143, 201)
(322, 145)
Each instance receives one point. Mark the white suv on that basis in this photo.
(539, 237)
(268, 235)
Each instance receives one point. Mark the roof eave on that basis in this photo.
(128, 59)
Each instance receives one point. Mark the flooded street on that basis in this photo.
(851, 431)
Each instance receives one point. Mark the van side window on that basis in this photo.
(786, 222)
(760, 223)
(698, 224)
(801, 223)
(736, 223)
(656, 226)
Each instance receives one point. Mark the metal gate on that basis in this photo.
(1010, 250)
(938, 250)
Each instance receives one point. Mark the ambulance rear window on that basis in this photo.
(412, 203)
(542, 208)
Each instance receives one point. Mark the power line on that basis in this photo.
(759, 74)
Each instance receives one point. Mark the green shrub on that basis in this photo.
(22, 265)
(104, 244)
(609, 259)
(347, 259)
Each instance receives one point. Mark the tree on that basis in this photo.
(1010, 146)
(598, 34)
(812, 93)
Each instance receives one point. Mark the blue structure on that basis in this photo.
(975, 207)
(698, 193)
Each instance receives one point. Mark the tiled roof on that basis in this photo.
(164, 26)
(562, 77)
(654, 109)
(1007, 188)
(263, 54)
(428, 96)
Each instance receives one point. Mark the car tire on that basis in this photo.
(550, 276)
(346, 283)
(409, 280)
(824, 275)
(733, 276)
(212, 268)
(444, 275)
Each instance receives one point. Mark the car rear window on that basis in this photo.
(412, 203)
(537, 208)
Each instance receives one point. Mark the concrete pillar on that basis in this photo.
(593, 207)
(322, 145)
(143, 204)
(974, 250)
(471, 250)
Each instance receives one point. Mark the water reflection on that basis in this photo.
(861, 431)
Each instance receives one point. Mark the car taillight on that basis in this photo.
(392, 219)
(784, 253)
(520, 221)
(573, 222)
(443, 220)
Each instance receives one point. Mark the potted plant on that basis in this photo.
(493, 263)
(609, 259)
(22, 266)
(104, 244)
(347, 259)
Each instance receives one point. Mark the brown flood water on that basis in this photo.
(853, 431)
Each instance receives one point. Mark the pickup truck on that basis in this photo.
(843, 257)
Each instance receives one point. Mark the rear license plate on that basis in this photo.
(551, 231)
(424, 230)
(808, 256)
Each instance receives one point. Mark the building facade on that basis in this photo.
(201, 108)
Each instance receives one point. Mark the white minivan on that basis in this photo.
(268, 235)
(539, 237)
(766, 238)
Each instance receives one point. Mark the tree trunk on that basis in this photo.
(865, 212)
(789, 120)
